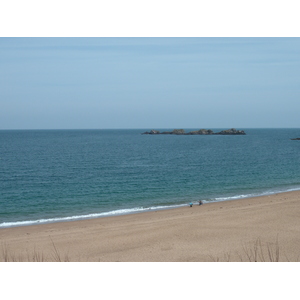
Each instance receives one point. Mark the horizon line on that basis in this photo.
(142, 128)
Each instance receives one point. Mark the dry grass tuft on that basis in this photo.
(35, 256)
(257, 252)
(268, 252)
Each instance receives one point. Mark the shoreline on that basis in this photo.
(228, 230)
(136, 210)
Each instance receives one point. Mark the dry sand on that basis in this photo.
(263, 228)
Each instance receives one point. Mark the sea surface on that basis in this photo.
(64, 175)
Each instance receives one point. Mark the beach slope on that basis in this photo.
(255, 229)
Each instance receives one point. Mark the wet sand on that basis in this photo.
(255, 229)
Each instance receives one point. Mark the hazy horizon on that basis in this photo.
(145, 128)
(149, 83)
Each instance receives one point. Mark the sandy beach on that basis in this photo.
(255, 229)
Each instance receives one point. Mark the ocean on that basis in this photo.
(63, 175)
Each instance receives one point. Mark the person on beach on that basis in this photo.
(191, 204)
(200, 202)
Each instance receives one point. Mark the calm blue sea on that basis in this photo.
(61, 175)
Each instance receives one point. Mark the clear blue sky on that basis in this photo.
(70, 83)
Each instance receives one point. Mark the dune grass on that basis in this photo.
(257, 252)
(33, 256)
(252, 252)
(269, 252)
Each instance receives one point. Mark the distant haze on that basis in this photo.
(82, 83)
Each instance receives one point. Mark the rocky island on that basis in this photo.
(231, 131)
(296, 139)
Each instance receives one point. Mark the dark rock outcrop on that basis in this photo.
(201, 132)
(231, 131)
(178, 131)
(175, 131)
(296, 139)
(152, 132)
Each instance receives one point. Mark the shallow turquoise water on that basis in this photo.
(55, 175)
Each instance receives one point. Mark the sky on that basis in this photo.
(120, 83)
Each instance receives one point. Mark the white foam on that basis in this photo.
(233, 197)
(293, 189)
(265, 193)
(89, 216)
